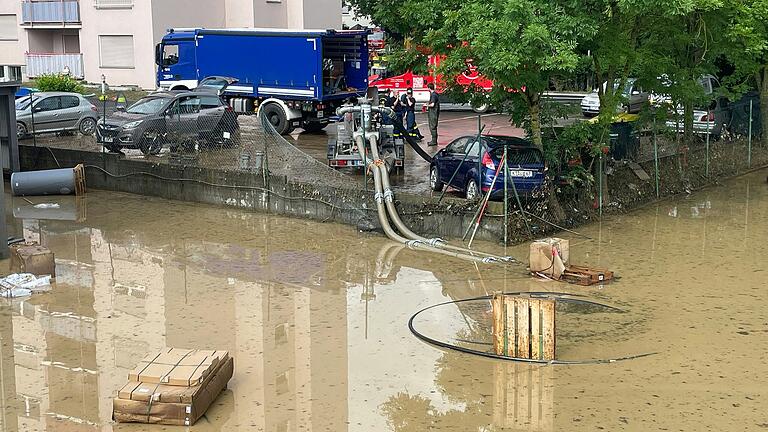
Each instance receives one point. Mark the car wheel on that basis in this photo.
(472, 192)
(21, 130)
(151, 142)
(88, 126)
(434, 180)
(277, 118)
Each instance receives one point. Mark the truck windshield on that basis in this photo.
(147, 106)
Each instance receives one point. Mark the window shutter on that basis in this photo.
(8, 27)
(116, 51)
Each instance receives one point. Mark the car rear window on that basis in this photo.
(520, 156)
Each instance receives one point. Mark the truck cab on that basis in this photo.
(297, 77)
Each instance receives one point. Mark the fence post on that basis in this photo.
(507, 177)
(706, 170)
(749, 138)
(656, 156)
(600, 188)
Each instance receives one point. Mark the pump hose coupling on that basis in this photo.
(388, 195)
(379, 197)
(489, 260)
(436, 241)
(413, 244)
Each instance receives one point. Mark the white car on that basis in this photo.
(632, 93)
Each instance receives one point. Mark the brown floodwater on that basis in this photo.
(315, 316)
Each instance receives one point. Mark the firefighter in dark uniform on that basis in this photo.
(399, 106)
(410, 115)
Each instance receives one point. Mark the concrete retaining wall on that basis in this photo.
(248, 191)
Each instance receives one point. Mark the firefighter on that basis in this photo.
(398, 104)
(433, 113)
(410, 114)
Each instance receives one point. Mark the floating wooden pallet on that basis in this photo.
(524, 327)
(586, 276)
(79, 180)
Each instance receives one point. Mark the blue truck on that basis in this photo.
(297, 77)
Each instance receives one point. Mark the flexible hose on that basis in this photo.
(384, 220)
(558, 297)
(401, 226)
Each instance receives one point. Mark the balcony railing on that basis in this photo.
(42, 64)
(113, 4)
(50, 12)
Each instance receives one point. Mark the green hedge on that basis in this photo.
(58, 82)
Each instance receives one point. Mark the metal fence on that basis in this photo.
(42, 64)
(53, 11)
(660, 163)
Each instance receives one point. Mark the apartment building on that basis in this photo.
(116, 38)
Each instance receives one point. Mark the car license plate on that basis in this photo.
(520, 173)
(320, 114)
(107, 139)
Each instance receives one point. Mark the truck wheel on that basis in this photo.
(314, 127)
(276, 116)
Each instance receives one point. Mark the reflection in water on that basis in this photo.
(315, 317)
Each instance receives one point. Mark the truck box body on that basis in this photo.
(303, 68)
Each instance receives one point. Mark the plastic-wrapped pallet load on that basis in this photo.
(549, 257)
(173, 387)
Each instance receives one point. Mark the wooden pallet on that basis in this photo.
(586, 276)
(79, 180)
(523, 327)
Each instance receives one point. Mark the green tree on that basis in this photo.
(748, 50)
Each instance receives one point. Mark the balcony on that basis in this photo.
(113, 4)
(50, 13)
(42, 64)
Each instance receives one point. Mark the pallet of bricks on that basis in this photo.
(173, 387)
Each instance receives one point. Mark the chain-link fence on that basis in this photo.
(646, 160)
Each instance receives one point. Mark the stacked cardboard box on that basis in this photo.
(173, 387)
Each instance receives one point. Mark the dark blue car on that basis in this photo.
(525, 163)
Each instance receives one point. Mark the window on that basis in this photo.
(170, 55)
(69, 101)
(113, 4)
(474, 149)
(150, 105)
(116, 52)
(209, 102)
(8, 27)
(15, 73)
(190, 105)
(2, 72)
(48, 104)
(457, 146)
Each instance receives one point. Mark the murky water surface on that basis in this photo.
(315, 316)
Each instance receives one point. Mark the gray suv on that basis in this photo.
(55, 112)
(176, 119)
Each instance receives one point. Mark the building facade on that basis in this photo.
(116, 38)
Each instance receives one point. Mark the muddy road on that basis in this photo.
(315, 316)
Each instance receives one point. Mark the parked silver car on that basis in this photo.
(632, 94)
(55, 112)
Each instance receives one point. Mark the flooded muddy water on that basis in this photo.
(315, 316)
